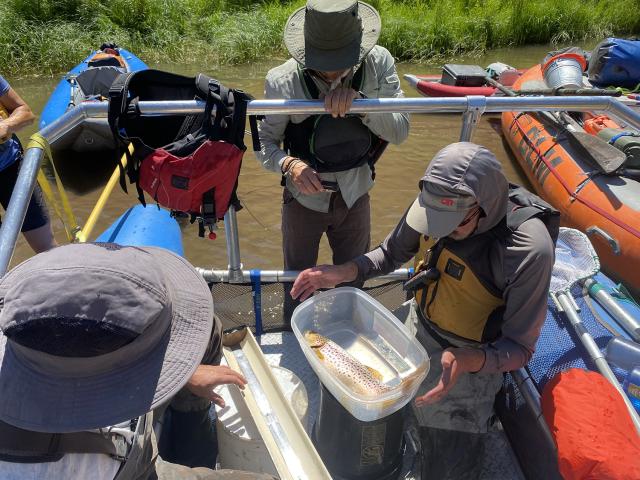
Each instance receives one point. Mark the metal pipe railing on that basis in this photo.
(279, 276)
(233, 245)
(472, 105)
(381, 105)
(17, 208)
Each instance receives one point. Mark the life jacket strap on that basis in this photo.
(25, 446)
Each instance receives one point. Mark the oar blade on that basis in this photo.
(602, 155)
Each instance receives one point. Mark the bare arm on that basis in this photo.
(20, 115)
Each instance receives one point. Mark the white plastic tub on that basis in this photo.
(374, 336)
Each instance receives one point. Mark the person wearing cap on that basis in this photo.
(15, 114)
(94, 338)
(483, 251)
(327, 161)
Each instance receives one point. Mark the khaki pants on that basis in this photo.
(348, 231)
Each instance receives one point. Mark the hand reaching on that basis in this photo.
(455, 362)
(322, 276)
(208, 377)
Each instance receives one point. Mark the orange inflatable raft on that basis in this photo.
(606, 207)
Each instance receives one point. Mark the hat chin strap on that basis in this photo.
(338, 81)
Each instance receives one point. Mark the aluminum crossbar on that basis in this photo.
(471, 105)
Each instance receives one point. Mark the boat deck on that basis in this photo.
(282, 349)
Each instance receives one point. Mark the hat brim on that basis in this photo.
(332, 60)
(41, 402)
(432, 222)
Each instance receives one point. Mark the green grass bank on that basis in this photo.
(50, 36)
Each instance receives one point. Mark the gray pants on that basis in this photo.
(348, 231)
(453, 430)
(188, 435)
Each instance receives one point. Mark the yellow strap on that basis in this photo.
(71, 226)
(84, 234)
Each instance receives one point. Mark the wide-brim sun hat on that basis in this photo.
(150, 297)
(332, 35)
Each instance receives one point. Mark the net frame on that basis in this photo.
(575, 261)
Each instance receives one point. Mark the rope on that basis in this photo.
(626, 91)
(568, 189)
(71, 225)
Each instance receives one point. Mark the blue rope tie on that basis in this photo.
(256, 292)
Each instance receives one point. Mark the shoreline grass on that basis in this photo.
(50, 36)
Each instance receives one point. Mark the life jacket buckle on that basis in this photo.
(421, 279)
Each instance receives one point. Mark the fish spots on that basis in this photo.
(352, 373)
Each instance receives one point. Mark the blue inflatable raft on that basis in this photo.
(89, 81)
(148, 226)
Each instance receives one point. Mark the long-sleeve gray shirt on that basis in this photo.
(380, 81)
(522, 271)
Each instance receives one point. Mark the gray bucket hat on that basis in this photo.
(332, 35)
(97, 334)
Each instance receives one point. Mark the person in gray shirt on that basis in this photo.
(484, 253)
(327, 161)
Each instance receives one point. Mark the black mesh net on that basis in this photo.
(233, 303)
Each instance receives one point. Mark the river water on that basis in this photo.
(259, 190)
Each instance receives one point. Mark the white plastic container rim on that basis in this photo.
(380, 402)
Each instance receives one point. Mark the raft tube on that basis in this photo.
(430, 86)
(148, 226)
(605, 207)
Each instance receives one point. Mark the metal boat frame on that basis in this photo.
(471, 108)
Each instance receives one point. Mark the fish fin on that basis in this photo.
(314, 339)
(376, 374)
(318, 353)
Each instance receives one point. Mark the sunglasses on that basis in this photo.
(470, 216)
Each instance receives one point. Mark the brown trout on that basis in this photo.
(356, 376)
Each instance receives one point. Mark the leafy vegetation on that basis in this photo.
(50, 36)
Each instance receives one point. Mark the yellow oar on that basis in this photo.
(85, 233)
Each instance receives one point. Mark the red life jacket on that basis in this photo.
(187, 163)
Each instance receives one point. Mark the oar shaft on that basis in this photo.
(596, 355)
(626, 321)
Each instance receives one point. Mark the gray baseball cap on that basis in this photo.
(96, 334)
(438, 212)
(450, 187)
(332, 35)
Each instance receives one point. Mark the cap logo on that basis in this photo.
(447, 201)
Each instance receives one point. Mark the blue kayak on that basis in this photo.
(89, 81)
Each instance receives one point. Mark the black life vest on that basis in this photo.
(461, 296)
(330, 144)
(137, 458)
